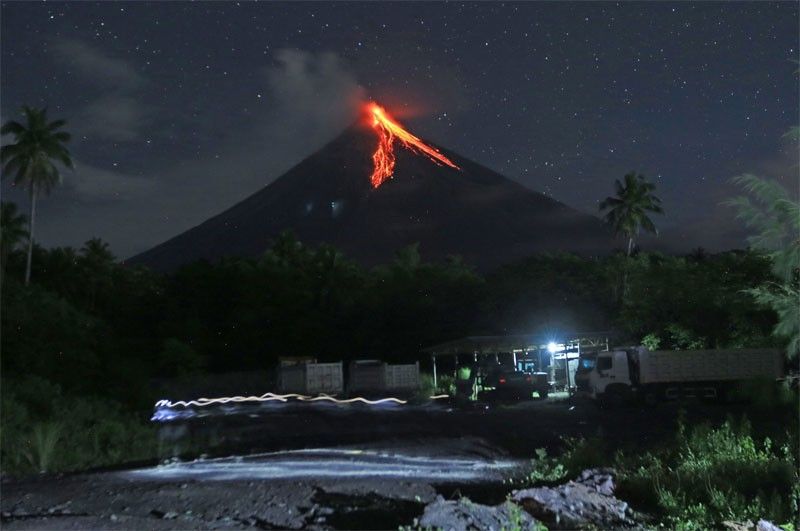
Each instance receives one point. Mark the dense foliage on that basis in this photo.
(775, 215)
(87, 315)
(102, 332)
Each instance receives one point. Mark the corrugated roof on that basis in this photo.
(492, 344)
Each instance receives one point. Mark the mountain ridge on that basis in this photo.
(327, 197)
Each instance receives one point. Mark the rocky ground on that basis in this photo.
(377, 487)
(350, 469)
(119, 501)
(585, 503)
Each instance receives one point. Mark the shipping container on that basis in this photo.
(366, 376)
(402, 377)
(311, 378)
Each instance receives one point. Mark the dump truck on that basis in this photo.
(622, 374)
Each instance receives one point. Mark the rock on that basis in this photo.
(730, 525)
(601, 479)
(587, 501)
(390, 490)
(464, 515)
(765, 525)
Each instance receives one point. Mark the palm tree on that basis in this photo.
(12, 232)
(628, 211)
(96, 251)
(38, 144)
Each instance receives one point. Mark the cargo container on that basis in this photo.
(665, 374)
(366, 376)
(370, 376)
(402, 377)
(310, 378)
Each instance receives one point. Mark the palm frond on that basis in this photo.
(56, 124)
(12, 127)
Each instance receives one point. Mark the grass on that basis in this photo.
(705, 476)
(42, 445)
(45, 431)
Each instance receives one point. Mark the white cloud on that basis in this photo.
(93, 183)
(97, 65)
(118, 113)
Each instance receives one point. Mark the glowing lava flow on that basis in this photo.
(388, 130)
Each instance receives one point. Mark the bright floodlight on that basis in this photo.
(552, 347)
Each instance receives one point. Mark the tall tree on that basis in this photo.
(12, 232)
(628, 210)
(775, 218)
(31, 160)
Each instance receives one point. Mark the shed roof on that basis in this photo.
(496, 344)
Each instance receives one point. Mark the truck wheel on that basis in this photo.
(615, 396)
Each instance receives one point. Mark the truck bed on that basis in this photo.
(664, 366)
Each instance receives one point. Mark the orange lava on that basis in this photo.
(388, 130)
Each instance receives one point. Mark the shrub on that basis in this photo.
(706, 476)
(426, 387)
(46, 431)
(546, 469)
(42, 445)
(713, 475)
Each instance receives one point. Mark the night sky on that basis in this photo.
(179, 110)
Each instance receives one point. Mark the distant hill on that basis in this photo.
(474, 212)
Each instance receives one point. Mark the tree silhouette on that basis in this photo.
(12, 232)
(30, 159)
(628, 210)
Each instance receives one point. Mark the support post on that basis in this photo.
(433, 358)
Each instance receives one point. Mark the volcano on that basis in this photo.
(448, 204)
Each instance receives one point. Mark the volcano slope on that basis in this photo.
(472, 211)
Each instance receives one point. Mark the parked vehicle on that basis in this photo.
(509, 383)
(625, 373)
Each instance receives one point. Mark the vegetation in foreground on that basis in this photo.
(706, 476)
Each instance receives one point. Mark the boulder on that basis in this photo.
(464, 515)
(588, 501)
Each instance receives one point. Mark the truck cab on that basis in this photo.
(601, 374)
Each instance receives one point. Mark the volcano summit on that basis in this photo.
(377, 188)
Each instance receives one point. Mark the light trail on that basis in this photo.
(273, 397)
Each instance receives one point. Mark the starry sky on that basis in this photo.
(180, 110)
